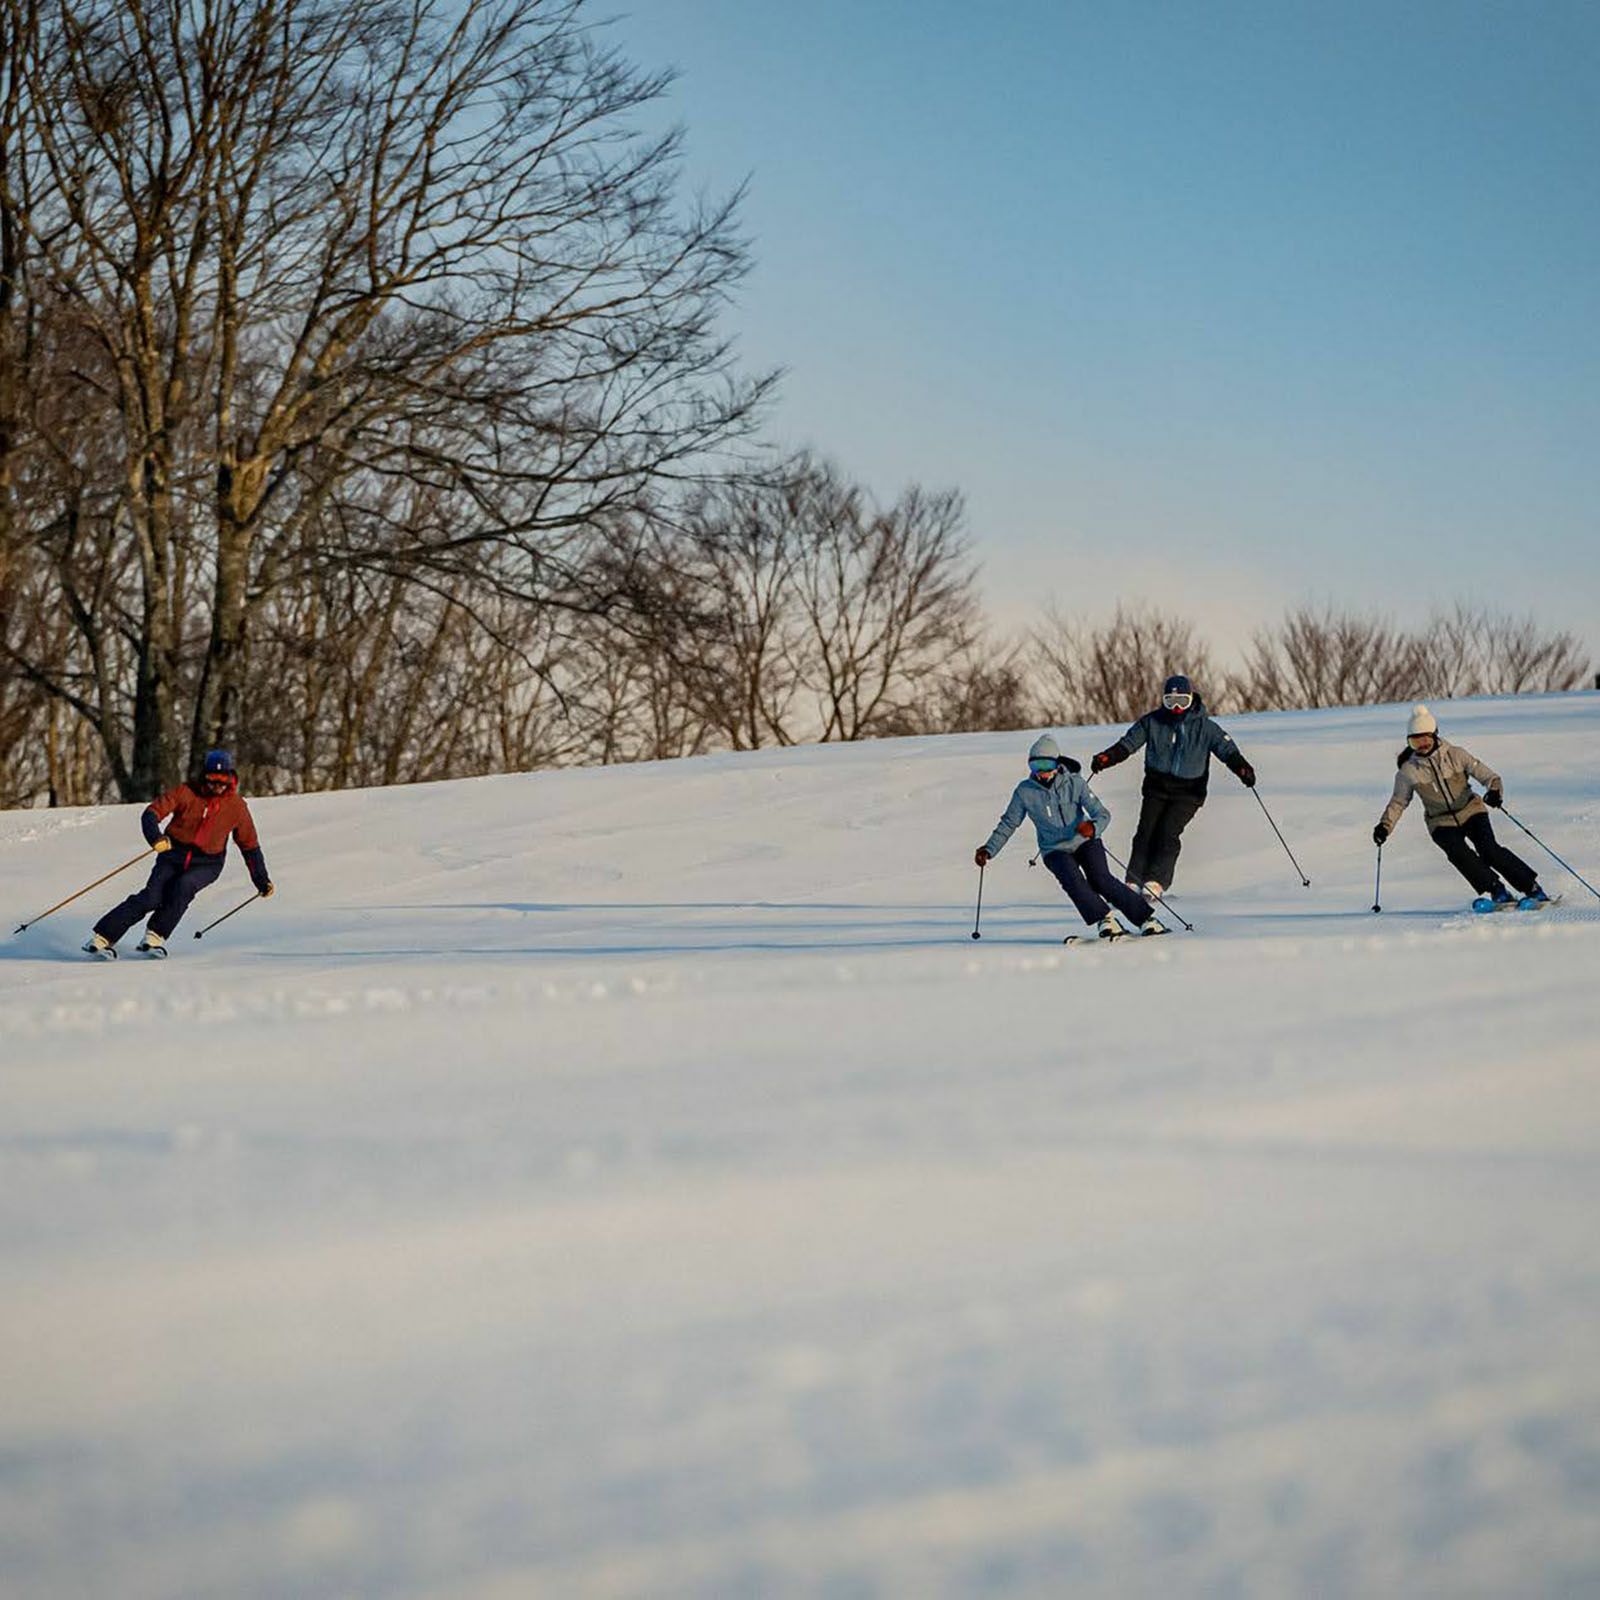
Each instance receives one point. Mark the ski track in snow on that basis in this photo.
(637, 1183)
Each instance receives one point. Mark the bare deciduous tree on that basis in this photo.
(1471, 650)
(888, 595)
(1332, 658)
(1112, 672)
(331, 246)
(985, 687)
(790, 606)
(1328, 658)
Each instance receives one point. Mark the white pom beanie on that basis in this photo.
(1045, 748)
(1422, 721)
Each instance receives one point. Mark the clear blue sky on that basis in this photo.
(1216, 304)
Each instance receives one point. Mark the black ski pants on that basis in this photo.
(1159, 836)
(177, 877)
(1481, 859)
(1087, 877)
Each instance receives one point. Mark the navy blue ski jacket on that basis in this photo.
(1177, 748)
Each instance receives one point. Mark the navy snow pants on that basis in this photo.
(1481, 859)
(177, 877)
(1087, 877)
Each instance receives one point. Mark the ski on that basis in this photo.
(1483, 906)
(1149, 931)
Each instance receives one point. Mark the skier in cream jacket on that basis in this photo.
(1457, 817)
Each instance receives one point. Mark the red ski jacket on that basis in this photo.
(203, 823)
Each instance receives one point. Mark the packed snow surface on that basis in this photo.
(636, 1182)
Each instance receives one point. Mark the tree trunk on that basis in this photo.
(222, 674)
(153, 766)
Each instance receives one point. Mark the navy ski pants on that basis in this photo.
(1481, 859)
(177, 877)
(1087, 877)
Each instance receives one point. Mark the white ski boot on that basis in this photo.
(1153, 929)
(99, 946)
(1152, 890)
(153, 945)
(1112, 929)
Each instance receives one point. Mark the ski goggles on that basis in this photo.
(1418, 740)
(1176, 701)
(1039, 765)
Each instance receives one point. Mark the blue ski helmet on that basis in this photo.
(219, 761)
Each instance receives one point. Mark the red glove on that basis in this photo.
(1086, 828)
(981, 855)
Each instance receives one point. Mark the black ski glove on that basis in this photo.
(1494, 798)
(1379, 834)
(1247, 774)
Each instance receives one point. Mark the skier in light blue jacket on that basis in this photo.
(1069, 820)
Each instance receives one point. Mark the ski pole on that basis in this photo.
(1377, 883)
(1122, 867)
(200, 933)
(978, 915)
(1304, 880)
(133, 860)
(1553, 856)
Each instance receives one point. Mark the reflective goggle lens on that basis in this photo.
(1042, 764)
(1177, 702)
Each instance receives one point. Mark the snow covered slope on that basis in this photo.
(636, 1182)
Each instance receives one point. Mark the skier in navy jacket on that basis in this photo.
(1069, 820)
(1179, 740)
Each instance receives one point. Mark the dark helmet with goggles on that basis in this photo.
(1177, 693)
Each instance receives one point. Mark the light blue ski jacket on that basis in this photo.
(1056, 809)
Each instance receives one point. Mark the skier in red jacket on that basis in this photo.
(189, 856)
